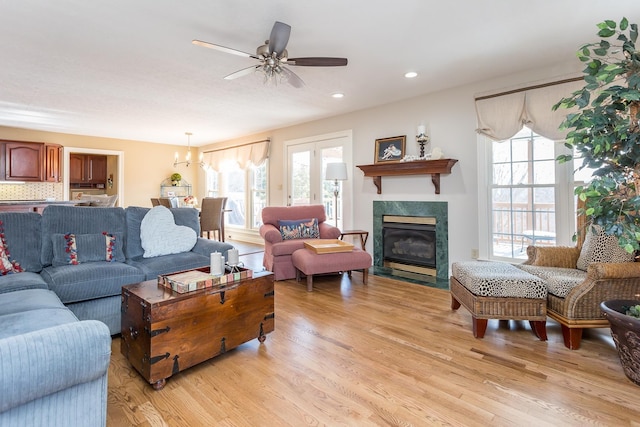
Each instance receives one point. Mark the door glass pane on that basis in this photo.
(331, 155)
(300, 178)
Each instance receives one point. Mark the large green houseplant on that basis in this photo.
(605, 131)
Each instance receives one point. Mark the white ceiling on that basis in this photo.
(127, 68)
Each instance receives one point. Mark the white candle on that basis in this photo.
(233, 256)
(216, 264)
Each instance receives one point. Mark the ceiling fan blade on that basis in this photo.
(223, 49)
(279, 37)
(318, 62)
(243, 72)
(292, 78)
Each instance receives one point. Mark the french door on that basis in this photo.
(306, 165)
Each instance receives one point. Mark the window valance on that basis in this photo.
(502, 115)
(251, 153)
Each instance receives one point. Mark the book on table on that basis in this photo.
(193, 280)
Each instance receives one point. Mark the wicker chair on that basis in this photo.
(580, 308)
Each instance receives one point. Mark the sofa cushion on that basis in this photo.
(25, 280)
(299, 229)
(31, 310)
(153, 267)
(22, 232)
(599, 246)
(74, 283)
(498, 279)
(78, 220)
(134, 215)
(559, 281)
(159, 234)
(287, 247)
(81, 248)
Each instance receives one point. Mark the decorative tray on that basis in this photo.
(328, 246)
(193, 280)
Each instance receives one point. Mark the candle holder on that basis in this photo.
(422, 140)
(235, 268)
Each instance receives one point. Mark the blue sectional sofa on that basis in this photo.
(57, 318)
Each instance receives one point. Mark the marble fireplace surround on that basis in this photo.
(437, 210)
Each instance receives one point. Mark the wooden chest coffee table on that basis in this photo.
(165, 332)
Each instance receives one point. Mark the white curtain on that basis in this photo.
(254, 153)
(501, 117)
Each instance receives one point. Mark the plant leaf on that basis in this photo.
(624, 24)
(606, 32)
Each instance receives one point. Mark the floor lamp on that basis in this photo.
(336, 172)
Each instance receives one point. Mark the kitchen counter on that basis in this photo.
(30, 205)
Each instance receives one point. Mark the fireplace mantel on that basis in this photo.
(418, 167)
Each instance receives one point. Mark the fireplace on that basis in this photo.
(410, 240)
(409, 243)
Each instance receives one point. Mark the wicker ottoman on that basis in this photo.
(310, 263)
(498, 290)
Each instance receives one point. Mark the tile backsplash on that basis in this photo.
(31, 191)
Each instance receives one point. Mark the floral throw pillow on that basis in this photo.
(299, 229)
(7, 265)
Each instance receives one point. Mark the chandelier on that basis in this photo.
(187, 160)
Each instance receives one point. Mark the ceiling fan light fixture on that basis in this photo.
(273, 55)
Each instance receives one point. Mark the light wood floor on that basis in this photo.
(390, 353)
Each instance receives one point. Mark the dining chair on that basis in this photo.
(165, 201)
(155, 201)
(212, 216)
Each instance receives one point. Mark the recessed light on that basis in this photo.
(410, 74)
(338, 95)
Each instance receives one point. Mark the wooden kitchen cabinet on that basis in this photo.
(53, 163)
(87, 169)
(24, 161)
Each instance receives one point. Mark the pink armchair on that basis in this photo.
(277, 251)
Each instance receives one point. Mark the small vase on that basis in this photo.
(625, 331)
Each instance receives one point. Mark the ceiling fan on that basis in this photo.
(273, 56)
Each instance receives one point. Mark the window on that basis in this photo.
(531, 195)
(246, 192)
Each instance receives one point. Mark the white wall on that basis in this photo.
(451, 122)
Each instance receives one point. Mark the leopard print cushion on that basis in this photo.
(599, 246)
(498, 279)
(560, 281)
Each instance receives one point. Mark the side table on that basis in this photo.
(364, 235)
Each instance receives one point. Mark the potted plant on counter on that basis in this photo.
(624, 318)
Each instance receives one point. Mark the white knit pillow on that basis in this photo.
(160, 235)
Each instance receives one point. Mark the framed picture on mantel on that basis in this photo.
(390, 150)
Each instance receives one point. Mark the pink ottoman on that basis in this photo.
(310, 263)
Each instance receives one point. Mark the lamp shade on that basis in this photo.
(336, 171)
